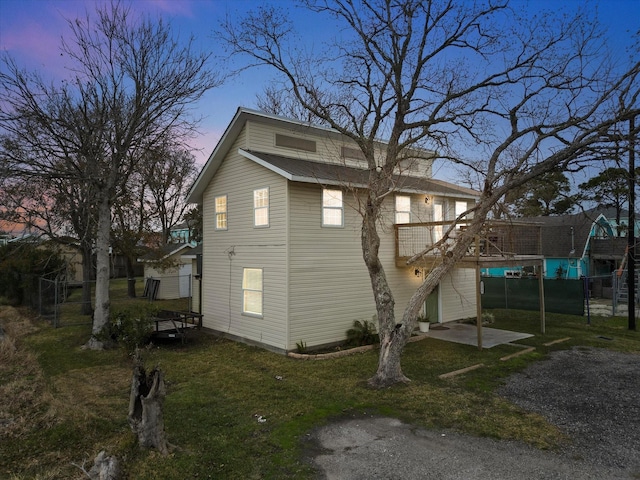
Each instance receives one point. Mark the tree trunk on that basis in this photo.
(392, 337)
(145, 407)
(131, 279)
(389, 369)
(87, 278)
(102, 309)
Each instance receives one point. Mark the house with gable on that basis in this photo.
(281, 253)
(574, 246)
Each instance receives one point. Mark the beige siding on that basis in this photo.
(262, 138)
(458, 295)
(329, 283)
(227, 253)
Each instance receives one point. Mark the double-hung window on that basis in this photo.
(403, 209)
(332, 208)
(261, 207)
(252, 291)
(221, 212)
(461, 207)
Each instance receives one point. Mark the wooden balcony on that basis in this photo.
(500, 243)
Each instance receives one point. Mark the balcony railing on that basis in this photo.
(498, 239)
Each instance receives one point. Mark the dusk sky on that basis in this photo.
(30, 31)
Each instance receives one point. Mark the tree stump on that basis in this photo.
(145, 407)
(105, 467)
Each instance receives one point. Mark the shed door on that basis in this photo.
(185, 280)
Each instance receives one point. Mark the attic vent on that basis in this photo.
(352, 153)
(297, 143)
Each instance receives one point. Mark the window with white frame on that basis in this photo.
(221, 212)
(261, 207)
(252, 291)
(403, 209)
(461, 207)
(332, 208)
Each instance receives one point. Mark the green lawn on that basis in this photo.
(217, 389)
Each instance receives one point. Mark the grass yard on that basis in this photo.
(60, 405)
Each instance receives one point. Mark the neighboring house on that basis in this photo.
(171, 270)
(567, 246)
(69, 249)
(282, 259)
(181, 233)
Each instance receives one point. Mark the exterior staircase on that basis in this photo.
(621, 288)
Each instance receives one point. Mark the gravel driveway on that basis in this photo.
(593, 395)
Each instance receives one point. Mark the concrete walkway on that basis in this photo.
(468, 334)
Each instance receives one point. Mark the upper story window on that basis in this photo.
(252, 291)
(403, 209)
(221, 212)
(332, 208)
(261, 207)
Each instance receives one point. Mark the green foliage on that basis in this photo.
(301, 346)
(21, 265)
(362, 333)
(610, 188)
(130, 327)
(543, 196)
(423, 317)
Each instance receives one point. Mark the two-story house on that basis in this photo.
(281, 255)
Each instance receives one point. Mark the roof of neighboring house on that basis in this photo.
(338, 174)
(165, 252)
(330, 172)
(567, 236)
(197, 250)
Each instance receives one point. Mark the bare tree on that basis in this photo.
(131, 85)
(507, 97)
(170, 173)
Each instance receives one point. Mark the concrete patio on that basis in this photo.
(468, 334)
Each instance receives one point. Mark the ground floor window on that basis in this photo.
(252, 291)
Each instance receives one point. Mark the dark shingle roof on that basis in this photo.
(564, 233)
(338, 174)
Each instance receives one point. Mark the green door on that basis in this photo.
(431, 305)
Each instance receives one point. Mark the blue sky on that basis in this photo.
(30, 31)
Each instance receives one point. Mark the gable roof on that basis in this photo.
(567, 236)
(166, 251)
(304, 170)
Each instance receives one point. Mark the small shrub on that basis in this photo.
(131, 327)
(362, 333)
(488, 318)
(301, 347)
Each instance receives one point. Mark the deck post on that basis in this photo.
(478, 295)
(541, 302)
